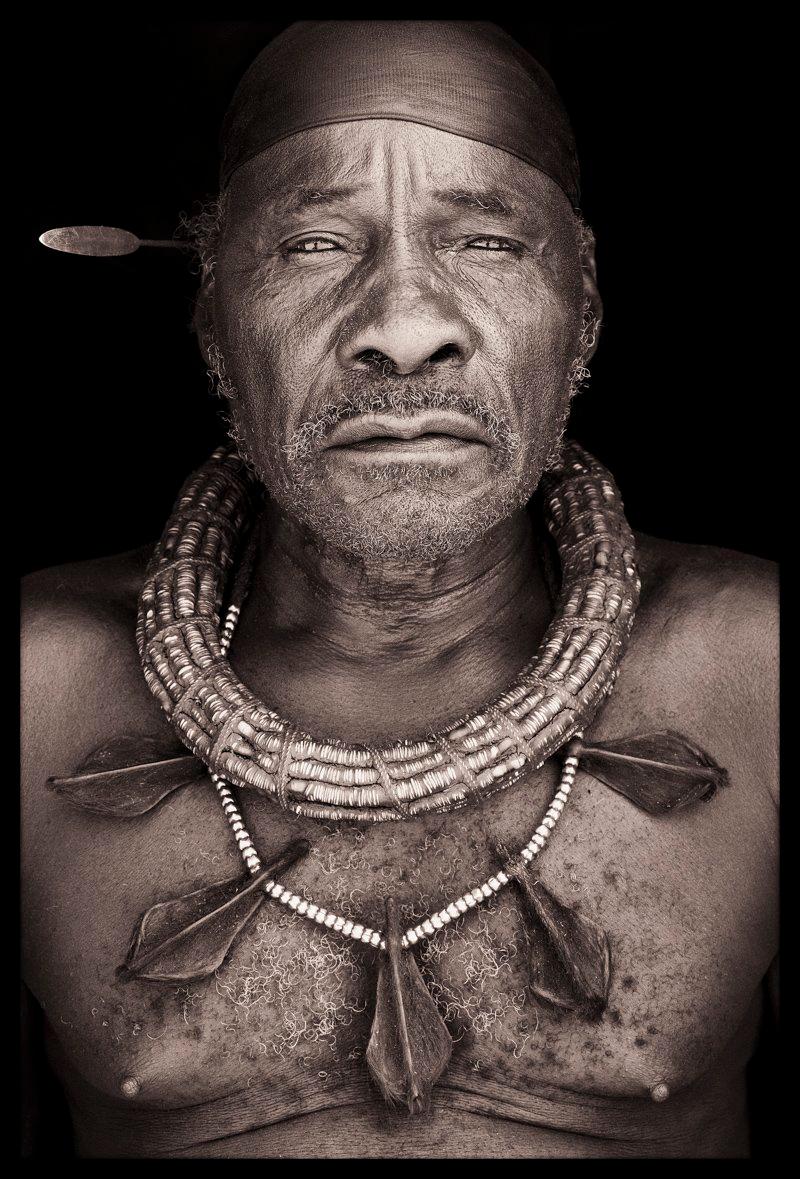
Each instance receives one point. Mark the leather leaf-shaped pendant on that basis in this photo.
(409, 1046)
(570, 965)
(659, 771)
(129, 776)
(189, 937)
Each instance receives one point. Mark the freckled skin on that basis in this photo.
(365, 649)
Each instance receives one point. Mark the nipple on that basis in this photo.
(659, 1092)
(130, 1086)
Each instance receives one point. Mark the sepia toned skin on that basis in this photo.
(451, 260)
(360, 626)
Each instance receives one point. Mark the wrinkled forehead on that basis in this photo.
(378, 157)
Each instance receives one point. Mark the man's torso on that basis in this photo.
(271, 1051)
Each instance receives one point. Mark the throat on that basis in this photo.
(370, 650)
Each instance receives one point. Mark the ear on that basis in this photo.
(591, 294)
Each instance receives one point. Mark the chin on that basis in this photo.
(421, 512)
(391, 523)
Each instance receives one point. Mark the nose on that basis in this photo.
(408, 329)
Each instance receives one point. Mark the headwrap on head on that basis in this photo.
(466, 77)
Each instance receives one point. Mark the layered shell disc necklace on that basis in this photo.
(184, 656)
(189, 606)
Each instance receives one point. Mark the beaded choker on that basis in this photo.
(556, 694)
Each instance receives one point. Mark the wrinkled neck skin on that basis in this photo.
(380, 649)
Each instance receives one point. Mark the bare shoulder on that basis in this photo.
(102, 582)
(80, 672)
(73, 614)
(708, 621)
(723, 600)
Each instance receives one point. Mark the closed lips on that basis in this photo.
(424, 430)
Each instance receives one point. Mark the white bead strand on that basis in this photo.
(232, 814)
(430, 925)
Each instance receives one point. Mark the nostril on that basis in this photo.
(445, 354)
(372, 358)
(405, 361)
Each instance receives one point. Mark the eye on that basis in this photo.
(313, 245)
(493, 243)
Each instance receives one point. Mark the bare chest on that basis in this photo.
(679, 898)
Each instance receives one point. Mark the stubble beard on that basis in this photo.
(407, 511)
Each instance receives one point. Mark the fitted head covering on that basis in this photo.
(466, 77)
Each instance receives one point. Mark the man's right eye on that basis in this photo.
(313, 245)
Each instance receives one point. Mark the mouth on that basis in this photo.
(425, 436)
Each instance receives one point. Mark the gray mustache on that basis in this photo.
(388, 395)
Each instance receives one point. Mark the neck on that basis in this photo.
(370, 650)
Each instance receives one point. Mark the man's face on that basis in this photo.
(400, 316)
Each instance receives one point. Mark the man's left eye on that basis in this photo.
(313, 245)
(491, 243)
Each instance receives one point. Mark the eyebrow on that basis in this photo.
(299, 199)
(488, 200)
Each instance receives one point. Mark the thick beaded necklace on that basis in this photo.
(555, 695)
(358, 931)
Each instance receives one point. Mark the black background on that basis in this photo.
(119, 120)
(124, 118)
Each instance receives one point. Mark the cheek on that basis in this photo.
(551, 338)
(251, 326)
(530, 347)
(268, 310)
(551, 313)
(271, 350)
(531, 316)
(530, 343)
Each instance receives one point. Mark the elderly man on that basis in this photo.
(337, 841)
